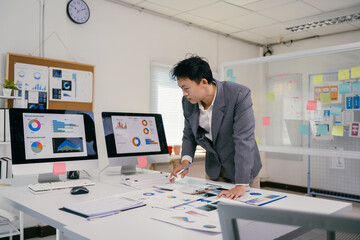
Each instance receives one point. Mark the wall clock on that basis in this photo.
(78, 11)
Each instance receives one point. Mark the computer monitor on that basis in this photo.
(132, 135)
(51, 141)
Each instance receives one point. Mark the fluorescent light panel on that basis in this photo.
(323, 23)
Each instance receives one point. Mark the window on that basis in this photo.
(165, 98)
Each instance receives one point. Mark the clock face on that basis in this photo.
(78, 11)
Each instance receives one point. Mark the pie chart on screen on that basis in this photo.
(36, 147)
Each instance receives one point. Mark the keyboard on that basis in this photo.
(43, 187)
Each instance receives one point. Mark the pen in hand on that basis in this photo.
(181, 171)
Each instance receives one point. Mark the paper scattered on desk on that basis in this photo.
(259, 199)
(191, 220)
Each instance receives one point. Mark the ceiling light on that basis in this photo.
(323, 23)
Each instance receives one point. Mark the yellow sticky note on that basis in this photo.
(355, 72)
(270, 97)
(343, 74)
(317, 79)
(257, 140)
(325, 97)
(338, 131)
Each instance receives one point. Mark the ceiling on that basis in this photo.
(260, 22)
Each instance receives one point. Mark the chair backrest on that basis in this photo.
(228, 213)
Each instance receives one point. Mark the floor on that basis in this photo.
(197, 170)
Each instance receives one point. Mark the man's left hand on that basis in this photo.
(233, 193)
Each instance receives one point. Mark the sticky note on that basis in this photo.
(338, 131)
(335, 110)
(355, 72)
(142, 162)
(266, 121)
(270, 97)
(344, 88)
(343, 74)
(304, 129)
(356, 87)
(257, 140)
(325, 97)
(311, 105)
(230, 73)
(322, 129)
(59, 168)
(317, 79)
(232, 79)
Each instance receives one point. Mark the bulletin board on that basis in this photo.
(60, 66)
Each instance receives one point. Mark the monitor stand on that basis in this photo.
(48, 177)
(128, 169)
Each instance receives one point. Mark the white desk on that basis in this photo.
(133, 224)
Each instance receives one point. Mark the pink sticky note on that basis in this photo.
(59, 168)
(142, 162)
(311, 105)
(266, 121)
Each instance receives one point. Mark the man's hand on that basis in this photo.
(184, 164)
(233, 193)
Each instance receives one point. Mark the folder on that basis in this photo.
(104, 207)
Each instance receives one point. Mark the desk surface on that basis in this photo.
(134, 224)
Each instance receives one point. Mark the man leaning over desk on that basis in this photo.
(218, 117)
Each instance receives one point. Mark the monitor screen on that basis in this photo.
(130, 135)
(40, 138)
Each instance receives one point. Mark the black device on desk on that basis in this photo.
(79, 190)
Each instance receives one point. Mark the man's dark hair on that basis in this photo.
(195, 68)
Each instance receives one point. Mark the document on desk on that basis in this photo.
(259, 199)
(102, 207)
(160, 198)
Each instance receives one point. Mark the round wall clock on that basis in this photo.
(78, 11)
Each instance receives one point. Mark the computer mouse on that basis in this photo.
(79, 190)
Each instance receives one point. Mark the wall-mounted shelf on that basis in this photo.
(9, 97)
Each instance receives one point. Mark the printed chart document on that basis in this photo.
(259, 199)
(102, 207)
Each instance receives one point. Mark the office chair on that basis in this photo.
(228, 213)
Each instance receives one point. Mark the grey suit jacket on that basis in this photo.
(233, 147)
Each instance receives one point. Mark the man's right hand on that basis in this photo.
(183, 164)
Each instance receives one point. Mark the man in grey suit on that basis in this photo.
(218, 117)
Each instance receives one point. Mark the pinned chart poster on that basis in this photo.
(71, 85)
(31, 77)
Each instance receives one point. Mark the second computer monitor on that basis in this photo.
(129, 136)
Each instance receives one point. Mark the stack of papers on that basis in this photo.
(102, 207)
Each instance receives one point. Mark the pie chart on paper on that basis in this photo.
(36, 147)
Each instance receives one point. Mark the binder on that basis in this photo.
(8, 167)
(3, 169)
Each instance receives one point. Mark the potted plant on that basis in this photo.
(8, 86)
